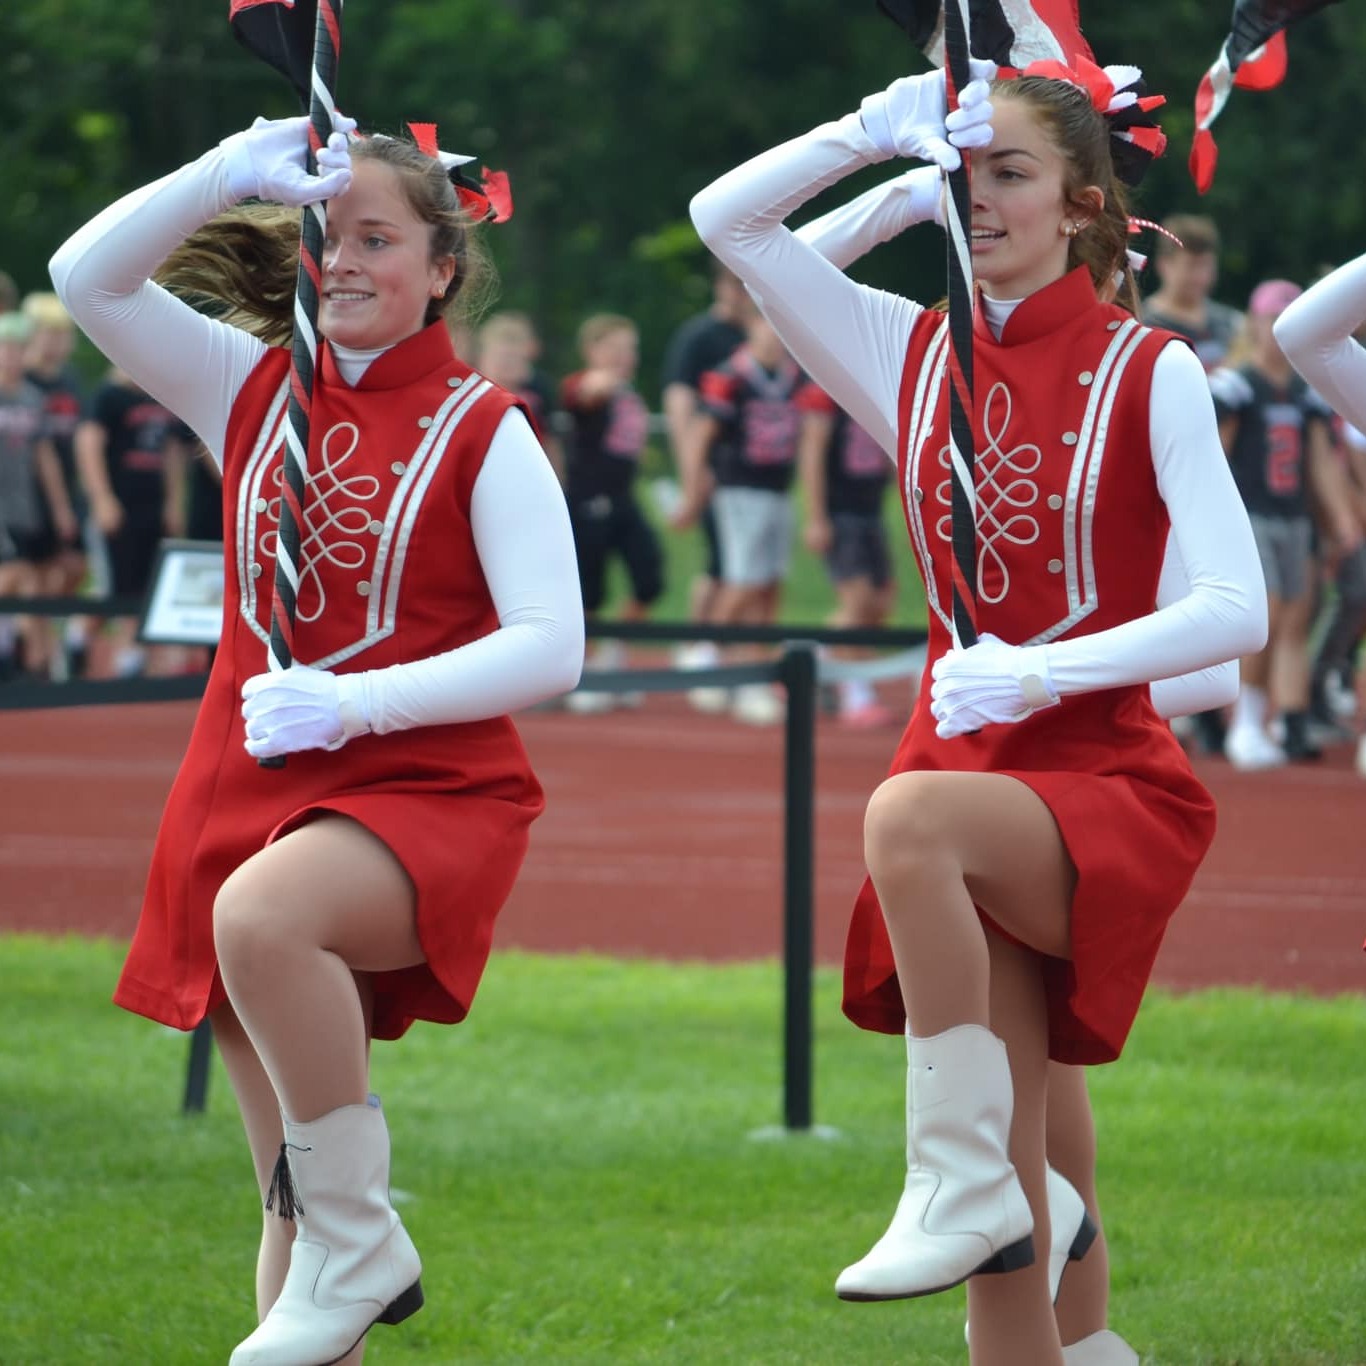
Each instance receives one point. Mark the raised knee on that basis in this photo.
(901, 828)
(244, 931)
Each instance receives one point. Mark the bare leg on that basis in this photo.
(1083, 1302)
(938, 845)
(1007, 1312)
(260, 1111)
(290, 925)
(1289, 655)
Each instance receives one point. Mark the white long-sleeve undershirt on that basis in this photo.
(196, 367)
(1315, 332)
(852, 340)
(848, 233)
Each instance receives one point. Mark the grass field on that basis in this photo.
(581, 1178)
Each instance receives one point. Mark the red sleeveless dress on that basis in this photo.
(1072, 532)
(388, 574)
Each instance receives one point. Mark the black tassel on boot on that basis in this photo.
(282, 1184)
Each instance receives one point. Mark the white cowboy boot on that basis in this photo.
(1071, 1231)
(1100, 1349)
(352, 1263)
(962, 1212)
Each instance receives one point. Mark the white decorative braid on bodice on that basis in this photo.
(1005, 493)
(1012, 476)
(358, 518)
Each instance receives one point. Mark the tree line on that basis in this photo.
(609, 115)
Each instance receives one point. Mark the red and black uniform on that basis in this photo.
(603, 450)
(857, 472)
(64, 403)
(138, 431)
(759, 415)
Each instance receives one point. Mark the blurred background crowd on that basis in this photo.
(707, 479)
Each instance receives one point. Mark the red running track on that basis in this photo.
(662, 837)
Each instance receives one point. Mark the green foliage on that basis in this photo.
(578, 1165)
(609, 116)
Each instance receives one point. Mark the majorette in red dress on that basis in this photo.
(1071, 537)
(389, 574)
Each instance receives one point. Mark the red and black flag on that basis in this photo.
(1253, 58)
(280, 32)
(1007, 32)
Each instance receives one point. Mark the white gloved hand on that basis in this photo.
(925, 186)
(269, 160)
(910, 118)
(990, 683)
(302, 708)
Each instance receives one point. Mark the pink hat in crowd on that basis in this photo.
(1272, 297)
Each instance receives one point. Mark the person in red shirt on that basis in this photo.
(309, 910)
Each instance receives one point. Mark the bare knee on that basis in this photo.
(247, 925)
(902, 830)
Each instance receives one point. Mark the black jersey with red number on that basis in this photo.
(700, 344)
(1270, 446)
(63, 404)
(605, 442)
(137, 431)
(759, 415)
(857, 469)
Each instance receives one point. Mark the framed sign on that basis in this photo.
(184, 604)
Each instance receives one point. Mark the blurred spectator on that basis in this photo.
(132, 456)
(1188, 273)
(1275, 430)
(9, 294)
(844, 475)
(34, 506)
(1334, 676)
(49, 368)
(753, 405)
(698, 346)
(507, 347)
(607, 436)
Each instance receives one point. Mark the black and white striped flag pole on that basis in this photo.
(957, 50)
(304, 356)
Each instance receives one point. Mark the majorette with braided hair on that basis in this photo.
(1041, 824)
(307, 911)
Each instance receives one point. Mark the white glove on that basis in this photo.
(908, 119)
(302, 708)
(268, 162)
(990, 683)
(925, 186)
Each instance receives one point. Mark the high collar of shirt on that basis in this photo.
(1044, 311)
(389, 367)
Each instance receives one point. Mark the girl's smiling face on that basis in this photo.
(1022, 219)
(378, 275)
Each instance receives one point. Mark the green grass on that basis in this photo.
(584, 1187)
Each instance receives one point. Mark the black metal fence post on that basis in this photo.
(197, 1069)
(799, 781)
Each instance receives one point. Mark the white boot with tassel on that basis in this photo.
(963, 1212)
(352, 1264)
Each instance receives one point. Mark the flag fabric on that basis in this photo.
(279, 32)
(1253, 57)
(1007, 32)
